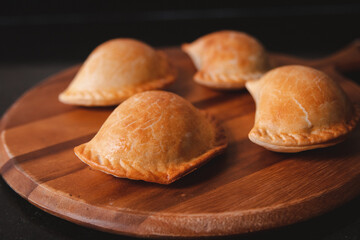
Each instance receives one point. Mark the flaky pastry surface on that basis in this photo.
(116, 70)
(154, 136)
(227, 59)
(299, 108)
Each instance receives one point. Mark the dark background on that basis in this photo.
(68, 30)
(40, 38)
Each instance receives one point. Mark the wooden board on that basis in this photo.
(246, 189)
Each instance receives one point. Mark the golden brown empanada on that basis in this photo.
(154, 136)
(227, 59)
(116, 70)
(299, 108)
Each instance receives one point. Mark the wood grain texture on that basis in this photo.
(246, 189)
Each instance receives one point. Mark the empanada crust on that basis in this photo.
(227, 59)
(116, 70)
(164, 139)
(299, 108)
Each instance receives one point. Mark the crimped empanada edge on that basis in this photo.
(225, 81)
(322, 138)
(219, 145)
(111, 97)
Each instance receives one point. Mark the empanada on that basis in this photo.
(227, 59)
(154, 136)
(299, 108)
(116, 70)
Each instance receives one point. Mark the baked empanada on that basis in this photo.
(154, 136)
(299, 108)
(227, 59)
(116, 70)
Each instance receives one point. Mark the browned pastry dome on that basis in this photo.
(154, 136)
(299, 108)
(116, 70)
(227, 59)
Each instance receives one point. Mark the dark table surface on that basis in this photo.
(35, 44)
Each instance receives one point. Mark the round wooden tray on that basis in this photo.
(245, 189)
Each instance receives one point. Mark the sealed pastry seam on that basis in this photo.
(235, 78)
(173, 173)
(316, 136)
(111, 97)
